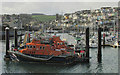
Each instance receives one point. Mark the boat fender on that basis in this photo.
(78, 54)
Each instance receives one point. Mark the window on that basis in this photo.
(40, 47)
(34, 52)
(25, 46)
(34, 46)
(43, 48)
(30, 46)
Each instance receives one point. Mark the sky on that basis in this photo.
(52, 7)
(60, 0)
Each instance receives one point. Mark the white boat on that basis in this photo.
(116, 44)
(93, 44)
(108, 40)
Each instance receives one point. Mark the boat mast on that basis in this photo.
(114, 26)
(118, 23)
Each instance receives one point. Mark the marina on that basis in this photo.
(81, 41)
(93, 67)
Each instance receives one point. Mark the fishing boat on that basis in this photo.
(50, 49)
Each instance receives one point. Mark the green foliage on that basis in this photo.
(43, 18)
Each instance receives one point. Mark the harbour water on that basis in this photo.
(66, 17)
(109, 64)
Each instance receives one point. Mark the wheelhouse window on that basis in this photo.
(27, 46)
(33, 52)
(30, 46)
(43, 48)
(34, 46)
(118, 42)
(40, 47)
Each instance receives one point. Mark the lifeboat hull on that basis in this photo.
(43, 58)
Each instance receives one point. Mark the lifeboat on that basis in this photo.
(51, 49)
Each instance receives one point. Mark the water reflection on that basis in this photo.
(99, 68)
(109, 64)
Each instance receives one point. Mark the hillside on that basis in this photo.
(44, 18)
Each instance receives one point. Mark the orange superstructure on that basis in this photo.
(54, 46)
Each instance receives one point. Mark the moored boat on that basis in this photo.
(51, 49)
(116, 44)
(93, 44)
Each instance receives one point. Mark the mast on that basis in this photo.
(114, 26)
(118, 15)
